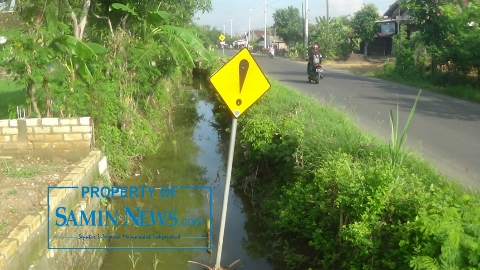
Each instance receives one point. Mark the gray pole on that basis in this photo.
(303, 24)
(249, 17)
(231, 29)
(227, 190)
(306, 23)
(265, 25)
(328, 29)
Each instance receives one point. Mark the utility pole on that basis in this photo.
(231, 29)
(265, 26)
(306, 23)
(249, 17)
(224, 29)
(303, 24)
(328, 30)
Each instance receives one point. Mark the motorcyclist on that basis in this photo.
(271, 50)
(312, 51)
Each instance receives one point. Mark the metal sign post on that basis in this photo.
(240, 83)
(227, 191)
(222, 39)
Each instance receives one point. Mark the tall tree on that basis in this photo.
(288, 24)
(433, 22)
(363, 23)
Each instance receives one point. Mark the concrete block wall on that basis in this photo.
(25, 246)
(22, 136)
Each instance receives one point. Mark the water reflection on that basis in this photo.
(192, 154)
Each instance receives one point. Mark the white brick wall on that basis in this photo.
(48, 133)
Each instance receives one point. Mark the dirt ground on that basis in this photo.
(23, 185)
(356, 63)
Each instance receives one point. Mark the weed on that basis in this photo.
(15, 170)
(3, 225)
(396, 145)
(134, 260)
(104, 202)
(220, 268)
(13, 210)
(174, 142)
(12, 192)
(155, 262)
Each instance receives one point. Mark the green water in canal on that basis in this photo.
(192, 155)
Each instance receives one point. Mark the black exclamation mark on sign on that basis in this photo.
(242, 74)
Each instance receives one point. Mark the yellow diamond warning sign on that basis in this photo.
(240, 82)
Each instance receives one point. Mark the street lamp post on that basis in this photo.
(231, 29)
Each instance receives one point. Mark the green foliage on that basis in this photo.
(404, 56)
(396, 144)
(333, 36)
(327, 196)
(363, 23)
(181, 43)
(184, 10)
(79, 55)
(449, 29)
(123, 80)
(288, 23)
(208, 35)
(428, 17)
(298, 51)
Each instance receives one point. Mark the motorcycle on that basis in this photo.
(271, 53)
(316, 70)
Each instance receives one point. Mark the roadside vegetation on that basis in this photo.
(119, 63)
(440, 55)
(329, 196)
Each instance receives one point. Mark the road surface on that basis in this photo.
(444, 130)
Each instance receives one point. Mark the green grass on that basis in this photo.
(462, 92)
(10, 94)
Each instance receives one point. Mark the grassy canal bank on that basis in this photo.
(330, 196)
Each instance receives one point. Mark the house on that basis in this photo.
(272, 39)
(389, 25)
(393, 19)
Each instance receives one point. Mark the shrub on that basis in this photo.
(328, 198)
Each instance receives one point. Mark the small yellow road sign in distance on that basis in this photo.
(221, 37)
(240, 82)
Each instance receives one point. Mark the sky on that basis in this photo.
(237, 10)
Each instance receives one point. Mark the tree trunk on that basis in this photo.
(31, 96)
(478, 77)
(365, 49)
(31, 92)
(432, 69)
(79, 23)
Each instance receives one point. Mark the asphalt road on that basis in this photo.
(444, 130)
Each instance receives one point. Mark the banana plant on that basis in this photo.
(80, 56)
(180, 42)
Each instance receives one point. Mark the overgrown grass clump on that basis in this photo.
(421, 80)
(329, 196)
